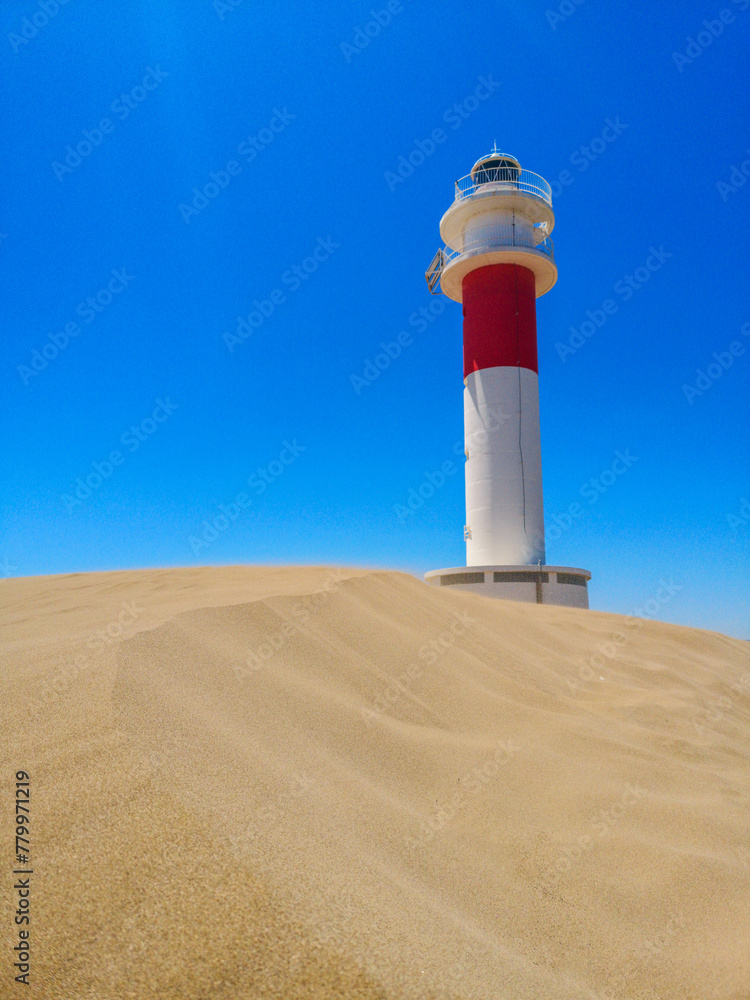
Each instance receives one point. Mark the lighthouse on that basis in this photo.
(497, 259)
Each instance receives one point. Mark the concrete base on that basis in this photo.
(561, 585)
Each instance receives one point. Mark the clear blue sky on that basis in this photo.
(316, 122)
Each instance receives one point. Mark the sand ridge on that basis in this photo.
(306, 782)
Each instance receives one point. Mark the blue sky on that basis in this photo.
(297, 118)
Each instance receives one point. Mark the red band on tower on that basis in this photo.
(499, 318)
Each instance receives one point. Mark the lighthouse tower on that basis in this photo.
(497, 260)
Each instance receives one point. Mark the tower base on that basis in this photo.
(562, 585)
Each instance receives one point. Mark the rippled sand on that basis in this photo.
(299, 782)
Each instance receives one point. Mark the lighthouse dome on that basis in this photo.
(496, 166)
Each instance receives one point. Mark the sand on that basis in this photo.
(301, 782)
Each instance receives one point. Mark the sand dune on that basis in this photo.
(310, 783)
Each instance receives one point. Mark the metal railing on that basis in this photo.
(493, 238)
(489, 179)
